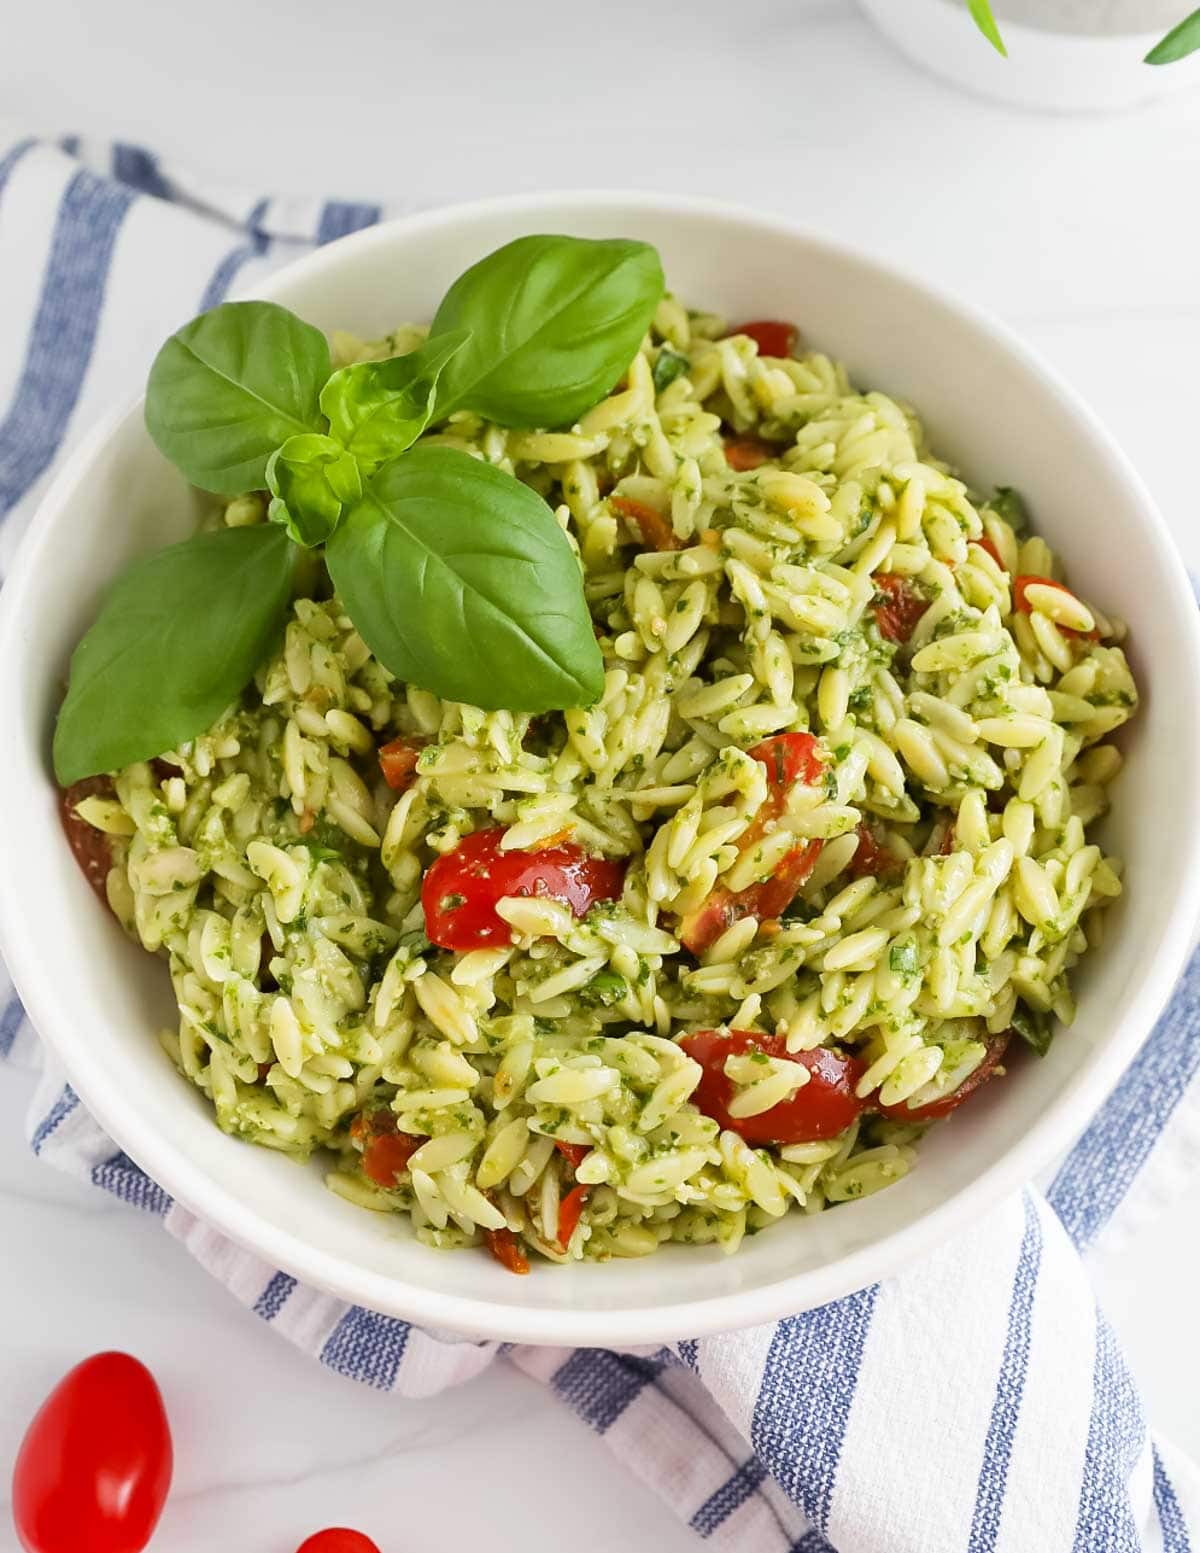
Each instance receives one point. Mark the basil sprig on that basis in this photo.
(1182, 40)
(456, 574)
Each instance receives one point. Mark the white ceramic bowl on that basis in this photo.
(995, 410)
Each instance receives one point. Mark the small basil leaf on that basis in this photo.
(981, 11)
(1178, 43)
(1034, 1028)
(554, 322)
(178, 638)
(461, 582)
(229, 387)
(308, 476)
(668, 366)
(379, 408)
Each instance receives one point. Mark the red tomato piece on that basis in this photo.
(337, 1539)
(90, 847)
(824, 1107)
(872, 858)
(902, 1112)
(789, 757)
(573, 1153)
(985, 543)
(503, 1245)
(744, 453)
(654, 527)
(386, 1157)
(461, 889)
(95, 1464)
(569, 1210)
(949, 840)
(773, 336)
(901, 606)
(398, 762)
(1021, 602)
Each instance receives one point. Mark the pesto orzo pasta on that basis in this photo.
(717, 946)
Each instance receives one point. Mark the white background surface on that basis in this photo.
(1084, 233)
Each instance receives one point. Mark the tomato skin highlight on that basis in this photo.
(398, 762)
(897, 613)
(743, 453)
(338, 1539)
(824, 1107)
(900, 1112)
(502, 1243)
(654, 528)
(773, 336)
(90, 847)
(1021, 603)
(462, 888)
(95, 1465)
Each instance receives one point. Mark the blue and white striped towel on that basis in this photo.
(977, 1403)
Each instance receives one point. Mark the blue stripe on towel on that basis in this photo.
(807, 1389)
(340, 217)
(10, 1023)
(54, 1118)
(600, 1385)
(731, 1496)
(1010, 1387)
(1094, 1178)
(367, 1347)
(1116, 1434)
(120, 1176)
(275, 1296)
(1170, 1517)
(252, 246)
(10, 159)
(139, 169)
(64, 331)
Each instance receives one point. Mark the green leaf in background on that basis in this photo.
(379, 408)
(229, 387)
(1178, 43)
(460, 581)
(179, 637)
(310, 477)
(554, 323)
(981, 10)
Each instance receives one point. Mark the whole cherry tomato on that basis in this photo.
(903, 1112)
(336, 1539)
(825, 1106)
(95, 1465)
(462, 888)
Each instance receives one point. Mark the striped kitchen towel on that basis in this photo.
(978, 1402)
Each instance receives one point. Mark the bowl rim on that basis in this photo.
(1048, 1135)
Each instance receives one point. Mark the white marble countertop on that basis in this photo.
(1081, 232)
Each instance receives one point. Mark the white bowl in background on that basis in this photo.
(1057, 60)
(995, 410)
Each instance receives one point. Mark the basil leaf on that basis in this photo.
(461, 581)
(668, 366)
(981, 10)
(554, 322)
(1178, 43)
(180, 635)
(311, 476)
(229, 387)
(1033, 1028)
(379, 408)
(1009, 505)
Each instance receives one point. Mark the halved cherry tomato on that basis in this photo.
(1021, 602)
(569, 1210)
(91, 848)
(773, 336)
(897, 613)
(789, 757)
(902, 1112)
(573, 1153)
(744, 453)
(95, 1464)
(870, 858)
(337, 1539)
(655, 528)
(502, 1243)
(398, 762)
(985, 543)
(825, 1106)
(462, 888)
